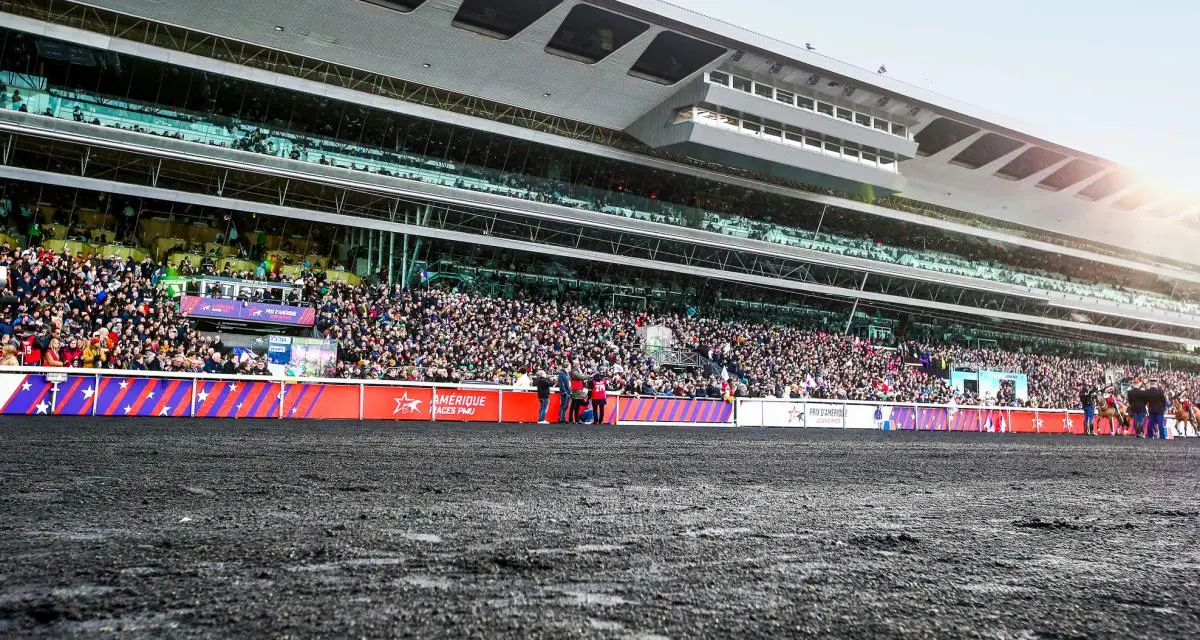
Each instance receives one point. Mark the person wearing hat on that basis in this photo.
(1136, 397)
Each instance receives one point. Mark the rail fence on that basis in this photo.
(92, 392)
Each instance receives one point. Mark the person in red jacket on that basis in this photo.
(599, 389)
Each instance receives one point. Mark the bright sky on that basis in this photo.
(1115, 78)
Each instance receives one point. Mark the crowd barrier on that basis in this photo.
(848, 414)
(91, 392)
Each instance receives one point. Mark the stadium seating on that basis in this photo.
(236, 134)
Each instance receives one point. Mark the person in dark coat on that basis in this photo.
(564, 392)
(1156, 407)
(543, 385)
(1136, 397)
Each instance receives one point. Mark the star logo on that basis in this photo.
(166, 411)
(88, 393)
(128, 409)
(42, 407)
(124, 384)
(796, 414)
(26, 387)
(293, 410)
(406, 405)
(149, 395)
(233, 386)
(202, 396)
(239, 406)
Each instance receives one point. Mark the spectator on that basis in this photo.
(543, 385)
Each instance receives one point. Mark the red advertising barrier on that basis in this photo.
(397, 403)
(82, 392)
(322, 401)
(522, 406)
(466, 405)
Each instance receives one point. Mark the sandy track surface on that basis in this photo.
(244, 529)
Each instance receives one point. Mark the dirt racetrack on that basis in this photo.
(250, 529)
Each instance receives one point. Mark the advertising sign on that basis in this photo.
(221, 309)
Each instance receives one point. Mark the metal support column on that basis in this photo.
(391, 260)
(854, 309)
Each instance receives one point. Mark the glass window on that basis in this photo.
(899, 130)
(832, 147)
(742, 84)
(784, 96)
(825, 108)
(869, 157)
(671, 57)
(882, 125)
(773, 132)
(813, 142)
(804, 103)
(751, 126)
(718, 77)
(850, 153)
(863, 119)
(764, 91)
(844, 114)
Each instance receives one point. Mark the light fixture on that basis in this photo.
(278, 28)
(426, 65)
(546, 95)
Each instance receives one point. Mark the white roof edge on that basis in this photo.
(866, 77)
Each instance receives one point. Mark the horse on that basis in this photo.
(1186, 414)
(1118, 418)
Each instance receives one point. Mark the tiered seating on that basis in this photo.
(238, 135)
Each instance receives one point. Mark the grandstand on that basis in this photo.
(771, 208)
(379, 318)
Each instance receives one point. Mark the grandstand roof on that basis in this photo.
(968, 158)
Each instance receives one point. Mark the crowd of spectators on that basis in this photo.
(60, 309)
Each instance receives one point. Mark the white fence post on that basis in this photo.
(361, 394)
(193, 402)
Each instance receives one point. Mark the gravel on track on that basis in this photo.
(188, 528)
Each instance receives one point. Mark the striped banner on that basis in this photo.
(670, 410)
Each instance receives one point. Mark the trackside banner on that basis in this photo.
(89, 392)
(83, 392)
(757, 412)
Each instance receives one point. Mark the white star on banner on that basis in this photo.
(128, 409)
(166, 411)
(233, 386)
(202, 396)
(239, 406)
(405, 404)
(26, 387)
(149, 395)
(124, 384)
(42, 407)
(293, 410)
(88, 393)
